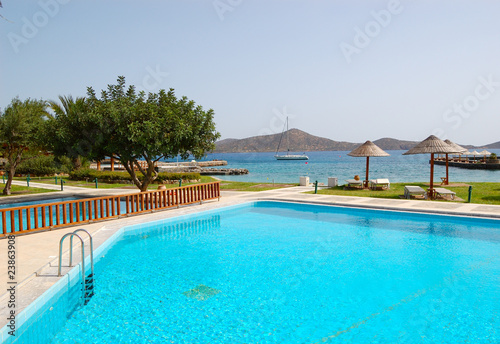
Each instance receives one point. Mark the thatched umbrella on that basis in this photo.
(485, 153)
(459, 150)
(474, 153)
(367, 150)
(431, 145)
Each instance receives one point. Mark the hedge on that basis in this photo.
(41, 166)
(111, 177)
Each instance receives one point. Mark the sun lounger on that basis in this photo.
(444, 193)
(380, 184)
(414, 191)
(353, 183)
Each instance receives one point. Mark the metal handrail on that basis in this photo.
(91, 250)
(83, 260)
(90, 281)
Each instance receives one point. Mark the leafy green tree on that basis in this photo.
(64, 129)
(21, 137)
(133, 127)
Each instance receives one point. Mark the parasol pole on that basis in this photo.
(446, 181)
(367, 168)
(431, 188)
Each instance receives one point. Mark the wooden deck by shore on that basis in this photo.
(201, 167)
(472, 164)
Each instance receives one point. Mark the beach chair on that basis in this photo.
(380, 184)
(354, 184)
(415, 192)
(444, 193)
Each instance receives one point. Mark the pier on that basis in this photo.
(470, 163)
(202, 167)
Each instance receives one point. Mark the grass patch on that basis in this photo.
(17, 190)
(246, 186)
(225, 185)
(482, 193)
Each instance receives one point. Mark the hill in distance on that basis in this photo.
(495, 145)
(300, 141)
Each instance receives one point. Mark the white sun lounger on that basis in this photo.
(414, 191)
(445, 192)
(380, 183)
(353, 183)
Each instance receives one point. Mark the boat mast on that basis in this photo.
(281, 138)
(287, 140)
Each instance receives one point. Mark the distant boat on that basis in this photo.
(288, 156)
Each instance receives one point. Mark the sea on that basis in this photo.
(264, 168)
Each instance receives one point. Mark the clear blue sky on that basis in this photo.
(424, 67)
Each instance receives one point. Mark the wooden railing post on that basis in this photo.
(4, 223)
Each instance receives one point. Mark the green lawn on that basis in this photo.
(245, 186)
(482, 193)
(225, 185)
(17, 190)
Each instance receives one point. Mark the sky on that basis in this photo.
(345, 70)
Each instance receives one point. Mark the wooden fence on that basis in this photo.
(40, 217)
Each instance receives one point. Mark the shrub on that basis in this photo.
(113, 177)
(39, 166)
(164, 176)
(493, 156)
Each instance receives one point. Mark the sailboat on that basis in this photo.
(288, 156)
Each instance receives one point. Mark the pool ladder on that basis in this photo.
(87, 281)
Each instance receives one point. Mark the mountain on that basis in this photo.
(300, 141)
(393, 144)
(495, 145)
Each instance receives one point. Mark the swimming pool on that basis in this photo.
(270, 272)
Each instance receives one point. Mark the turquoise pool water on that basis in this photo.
(43, 201)
(273, 272)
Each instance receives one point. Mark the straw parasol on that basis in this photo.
(459, 150)
(431, 145)
(474, 153)
(367, 150)
(485, 153)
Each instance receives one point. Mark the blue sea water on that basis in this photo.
(264, 167)
(288, 273)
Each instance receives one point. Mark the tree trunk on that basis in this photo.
(129, 166)
(8, 185)
(149, 174)
(77, 163)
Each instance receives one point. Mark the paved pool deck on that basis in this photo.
(37, 253)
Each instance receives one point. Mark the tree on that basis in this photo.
(64, 129)
(134, 127)
(20, 134)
